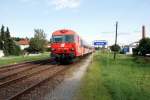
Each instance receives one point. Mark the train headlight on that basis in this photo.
(53, 49)
(72, 49)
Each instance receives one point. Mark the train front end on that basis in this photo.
(63, 46)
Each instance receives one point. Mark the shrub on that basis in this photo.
(115, 48)
(143, 48)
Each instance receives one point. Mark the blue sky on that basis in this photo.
(92, 19)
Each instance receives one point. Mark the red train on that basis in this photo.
(67, 45)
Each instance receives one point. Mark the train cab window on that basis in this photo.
(69, 38)
(57, 39)
(63, 38)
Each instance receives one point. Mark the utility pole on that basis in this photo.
(143, 32)
(116, 39)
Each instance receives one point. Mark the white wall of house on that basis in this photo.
(132, 46)
(22, 47)
(130, 50)
(1, 53)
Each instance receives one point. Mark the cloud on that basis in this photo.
(62, 4)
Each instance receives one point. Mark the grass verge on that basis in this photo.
(19, 59)
(122, 79)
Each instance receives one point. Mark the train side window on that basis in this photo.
(78, 39)
(81, 44)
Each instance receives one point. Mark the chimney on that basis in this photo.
(143, 32)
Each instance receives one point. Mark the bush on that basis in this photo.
(135, 51)
(115, 48)
(48, 49)
(16, 51)
(30, 50)
(143, 48)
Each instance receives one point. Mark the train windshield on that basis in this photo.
(69, 38)
(57, 38)
(64, 38)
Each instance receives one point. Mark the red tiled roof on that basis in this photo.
(23, 42)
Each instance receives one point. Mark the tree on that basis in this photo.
(38, 42)
(3, 33)
(115, 48)
(7, 33)
(1, 47)
(14, 48)
(143, 47)
(7, 44)
(2, 37)
(18, 38)
(3, 41)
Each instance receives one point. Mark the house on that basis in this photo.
(23, 43)
(128, 49)
(1, 53)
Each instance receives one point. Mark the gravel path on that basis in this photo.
(66, 90)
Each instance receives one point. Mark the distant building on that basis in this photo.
(23, 43)
(1, 53)
(128, 49)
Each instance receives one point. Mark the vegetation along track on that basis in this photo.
(12, 88)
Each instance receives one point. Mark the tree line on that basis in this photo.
(7, 44)
(142, 49)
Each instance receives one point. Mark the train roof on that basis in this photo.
(64, 32)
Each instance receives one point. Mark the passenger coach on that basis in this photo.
(67, 45)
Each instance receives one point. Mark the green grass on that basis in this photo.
(123, 79)
(19, 59)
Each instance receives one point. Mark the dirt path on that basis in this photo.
(67, 89)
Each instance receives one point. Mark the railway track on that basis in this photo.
(55, 73)
(16, 71)
(21, 75)
(10, 88)
(15, 86)
(11, 71)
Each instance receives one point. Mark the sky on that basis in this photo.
(91, 19)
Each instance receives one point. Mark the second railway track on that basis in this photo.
(20, 65)
(12, 88)
(19, 69)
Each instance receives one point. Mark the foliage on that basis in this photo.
(143, 48)
(16, 38)
(2, 37)
(135, 51)
(7, 44)
(115, 48)
(38, 42)
(48, 49)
